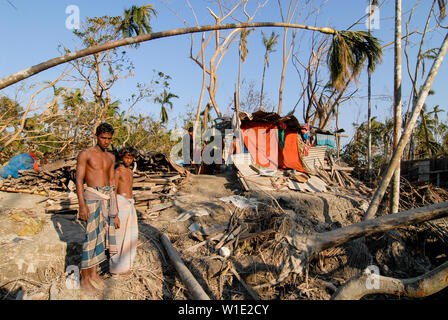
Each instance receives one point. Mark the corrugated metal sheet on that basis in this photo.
(315, 155)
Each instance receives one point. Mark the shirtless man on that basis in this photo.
(95, 167)
(127, 236)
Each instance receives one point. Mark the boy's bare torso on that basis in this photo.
(125, 178)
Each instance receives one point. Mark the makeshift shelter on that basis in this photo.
(275, 154)
(274, 142)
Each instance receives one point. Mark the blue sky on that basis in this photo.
(32, 31)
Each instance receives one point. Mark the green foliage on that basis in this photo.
(355, 152)
(347, 54)
(429, 127)
(165, 97)
(9, 109)
(137, 20)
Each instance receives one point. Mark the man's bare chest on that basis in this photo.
(96, 162)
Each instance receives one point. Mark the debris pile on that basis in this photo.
(338, 176)
(414, 195)
(51, 179)
(156, 178)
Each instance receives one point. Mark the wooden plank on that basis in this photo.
(143, 184)
(58, 164)
(145, 195)
(28, 191)
(336, 167)
(158, 207)
(163, 180)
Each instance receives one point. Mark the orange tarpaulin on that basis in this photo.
(261, 139)
(290, 155)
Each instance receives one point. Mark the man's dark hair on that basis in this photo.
(104, 128)
(128, 150)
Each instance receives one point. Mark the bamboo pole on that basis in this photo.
(187, 278)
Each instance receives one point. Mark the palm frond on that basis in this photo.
(137, 20)
(347, 54)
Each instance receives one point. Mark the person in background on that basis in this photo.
(305, 134)
(46, 159)
(306, 139)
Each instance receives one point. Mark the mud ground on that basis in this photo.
(36, 266)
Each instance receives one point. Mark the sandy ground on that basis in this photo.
(35, 265)
(41, 260)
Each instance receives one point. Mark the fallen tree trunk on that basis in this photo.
(337, 237)
(187, 278)
(304, 247)
(421, 286)
(26, 73)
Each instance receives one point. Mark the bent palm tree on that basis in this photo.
(269, 45)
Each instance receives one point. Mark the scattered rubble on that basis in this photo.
(237, 243)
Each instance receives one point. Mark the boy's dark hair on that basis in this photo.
(128, 150)
(104, 128)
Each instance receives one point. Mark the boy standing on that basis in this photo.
(97, 206)
(127, 235)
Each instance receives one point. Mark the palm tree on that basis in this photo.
(429, 133)
(164, 99)
(136, 20)
(395, 199)
(269, 45)
(242, 49)
(369, 102)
